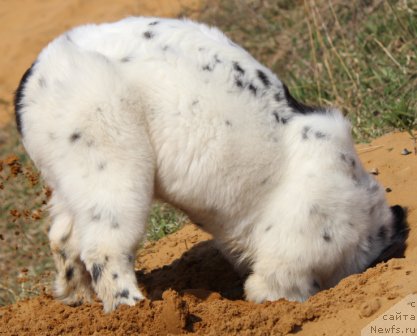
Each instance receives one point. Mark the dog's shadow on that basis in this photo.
(202, 269)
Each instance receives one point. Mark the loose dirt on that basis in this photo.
(190, 288)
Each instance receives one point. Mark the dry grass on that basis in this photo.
(24, 251)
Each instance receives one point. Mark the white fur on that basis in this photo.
(116, 114)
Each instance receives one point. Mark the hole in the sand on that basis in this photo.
(200, 271)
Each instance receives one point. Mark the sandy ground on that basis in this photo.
(191, 289)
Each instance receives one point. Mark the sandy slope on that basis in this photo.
(193, 289)
(26, 26)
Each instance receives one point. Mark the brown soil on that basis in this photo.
(190, 287)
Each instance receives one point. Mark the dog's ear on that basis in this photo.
(398, 238)
(400, 226)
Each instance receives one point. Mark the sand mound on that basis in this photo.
(191, 289)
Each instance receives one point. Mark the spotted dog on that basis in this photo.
(116, 114)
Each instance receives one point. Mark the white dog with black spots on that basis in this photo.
(116, 114)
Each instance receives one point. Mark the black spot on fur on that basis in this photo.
(42, 82)
(207, 67)
(228, 123)
(285, 120)
(96, 272)
(210, 67)
(343, 157)
(148, 35)
(238, 68)
(306, 129)
(263, 78)
(277, 118)
(326, 237)
(124, 293)
(69, 273)
(297, 106)
(115, 276)
(238, 83)
(153, 23)
(136, 298)
(268, 228)
(106, 258)
(126, 59)
(96, 217)
(75, 136)
(253, 89)
(372, 210)
(263, 182)
(316, 285)
(382, 233)
(101, 166)
(353, 163)
(130, 258)
(278, 96)
(18, 97)
(194, 102)
(201, 49)
(319, 135)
